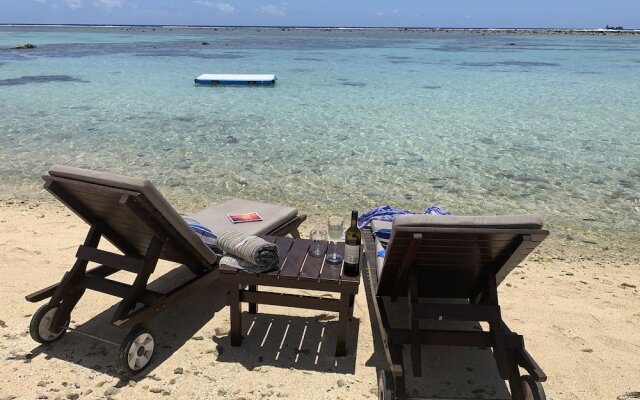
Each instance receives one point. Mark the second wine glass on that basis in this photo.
(335, 227)
(319, 242)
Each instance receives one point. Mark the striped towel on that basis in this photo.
(247, 252)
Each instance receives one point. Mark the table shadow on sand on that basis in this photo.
(286, 341)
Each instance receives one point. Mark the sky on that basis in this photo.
(375, 13)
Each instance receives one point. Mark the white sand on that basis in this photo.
(580, 318)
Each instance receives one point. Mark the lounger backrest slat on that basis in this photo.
(452, 261)
(123, 228)
(129, 218)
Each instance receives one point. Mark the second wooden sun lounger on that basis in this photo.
(432, 260)
(132, 215)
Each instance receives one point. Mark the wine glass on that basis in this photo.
(335, 227)
(319, 245)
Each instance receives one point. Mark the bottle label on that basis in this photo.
(351, 254)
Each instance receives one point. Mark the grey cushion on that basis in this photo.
(450, 221)
(144, 187)
(273, 216)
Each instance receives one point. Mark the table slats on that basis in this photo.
(312, 266)
(294, 261)
(331, 272)
(284, 245)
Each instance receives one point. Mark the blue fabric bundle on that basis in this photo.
(383, 235)
(388, 213)
(383, 213)
(207, 236)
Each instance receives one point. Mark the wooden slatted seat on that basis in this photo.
(448, 268)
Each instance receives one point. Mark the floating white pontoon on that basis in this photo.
(234, 79)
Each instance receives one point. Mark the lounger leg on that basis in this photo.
(140, 283)
(253, 307)
(499, 351)
(401, 387)
(67, 302)
(235, 307)
(343, 324)
(72, 286)
(500, 354)
(515, 382)
(416, 359)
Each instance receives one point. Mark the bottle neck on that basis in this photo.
(354, 218)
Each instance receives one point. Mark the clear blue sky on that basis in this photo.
(427, 13)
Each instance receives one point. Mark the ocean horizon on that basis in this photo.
(576, 30)
(359, 117)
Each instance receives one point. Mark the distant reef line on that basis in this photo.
(478, 31)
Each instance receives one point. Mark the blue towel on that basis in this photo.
(383, 234)
(388, 213)
(435, 210)
(204, 233)
(383, 213)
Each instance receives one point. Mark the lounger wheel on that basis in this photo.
(41, 322)
(136, 350)
(532, 389)
(386, 385)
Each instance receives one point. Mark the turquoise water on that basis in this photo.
(550, 124)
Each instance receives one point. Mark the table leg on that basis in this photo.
(236, 315)
(352, 304)
(343, 323)
(253, 307)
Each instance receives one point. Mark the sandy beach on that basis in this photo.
(578, 310)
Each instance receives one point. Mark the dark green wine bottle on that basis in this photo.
(352, 240)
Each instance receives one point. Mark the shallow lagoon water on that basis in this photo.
(472, 123)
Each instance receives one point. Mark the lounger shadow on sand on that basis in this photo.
(94, 343)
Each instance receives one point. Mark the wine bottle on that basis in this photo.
(352, 240)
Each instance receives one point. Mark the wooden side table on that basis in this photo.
(296, 270)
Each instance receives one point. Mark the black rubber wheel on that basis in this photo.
(532, 389)
(41, 322)
(136, 350)
(386, 385)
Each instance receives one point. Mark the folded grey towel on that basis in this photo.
(247, 252)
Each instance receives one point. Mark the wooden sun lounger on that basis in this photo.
(132, 215)
(441, 258)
